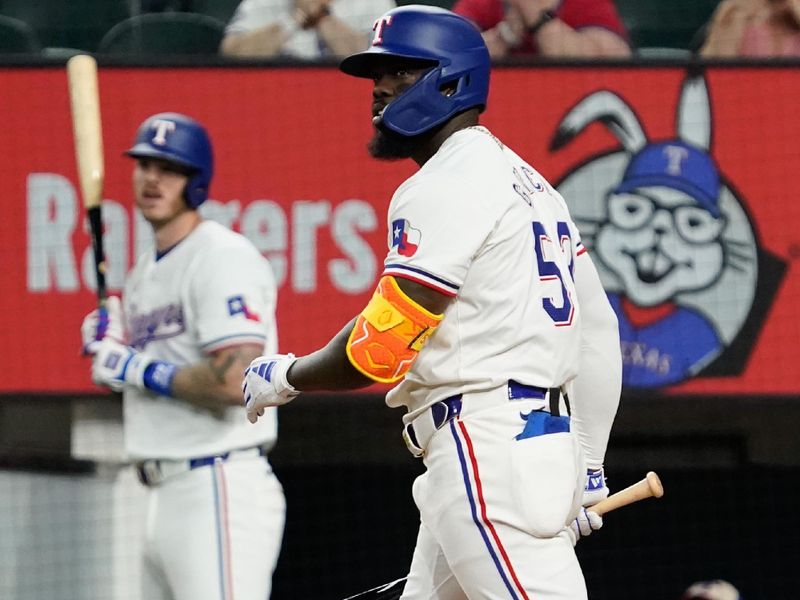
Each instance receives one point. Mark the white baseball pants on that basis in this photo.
(493, 508)
(214, 532)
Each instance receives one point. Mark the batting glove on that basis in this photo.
(265, 384)
(115, 365)
(103, 322)
(587, 520)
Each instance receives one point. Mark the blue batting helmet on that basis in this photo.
(181, 140)
(456, 52)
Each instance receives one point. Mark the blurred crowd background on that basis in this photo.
(650, 28)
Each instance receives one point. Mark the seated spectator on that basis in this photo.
(755, 28)
(548, 28)
(306, 29)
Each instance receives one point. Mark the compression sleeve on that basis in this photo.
(596, 390)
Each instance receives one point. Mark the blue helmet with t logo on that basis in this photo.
(180, 140)
(454, 48)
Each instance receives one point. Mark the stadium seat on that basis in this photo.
(663, 53)
(164, 34)
(17, 37)
(139, 7)
(67, 23)
(664, 23)
(219, 9)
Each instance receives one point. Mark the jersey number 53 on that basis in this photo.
(550, 273)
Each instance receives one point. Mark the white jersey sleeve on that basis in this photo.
(454, 232)
(232, 293)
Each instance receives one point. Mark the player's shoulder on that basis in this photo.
(469, 148)
(212, 240)
(212, 232)
(461, 163)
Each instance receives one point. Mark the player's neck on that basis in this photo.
(461, 121)
(173, 231)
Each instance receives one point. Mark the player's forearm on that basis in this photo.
(215, 382)
(596, 390)
(557, 39)
(595, 394)
(328, 368)
(340, 37)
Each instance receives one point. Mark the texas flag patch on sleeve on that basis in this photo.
(405, 237)
(237, 306)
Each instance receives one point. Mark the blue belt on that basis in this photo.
(154, 471)
(444, 411)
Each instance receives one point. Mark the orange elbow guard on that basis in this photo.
(389, 333)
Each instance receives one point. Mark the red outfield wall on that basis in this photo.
(294, 176)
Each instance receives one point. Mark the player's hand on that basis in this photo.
(309, 12)
(531, 10)
(265, 384)
(794, 9)
(103, 323)
(114, 365)
(584, 524)
(587, 520)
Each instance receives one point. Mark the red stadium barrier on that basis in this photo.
(293, 174)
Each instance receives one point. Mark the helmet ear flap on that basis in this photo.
(196, 191)
(434, 98)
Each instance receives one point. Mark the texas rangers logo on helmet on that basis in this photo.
(380, 24)
(672, 242)
(405, 237)
(162, 127)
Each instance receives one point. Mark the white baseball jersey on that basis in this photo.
(478, 223)
(359, 15)
(211, 290)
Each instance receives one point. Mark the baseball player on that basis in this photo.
(491, 319)
(196, 310)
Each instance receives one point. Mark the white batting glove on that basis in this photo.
(265, 384)
(587, 520)
(103, 323)
(115, 365)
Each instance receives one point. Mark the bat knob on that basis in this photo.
(655, 484)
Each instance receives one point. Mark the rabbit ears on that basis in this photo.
(692, 121)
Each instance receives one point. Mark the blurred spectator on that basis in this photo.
(306, 29)
(756, 28)
(711, 590)
(549, 28)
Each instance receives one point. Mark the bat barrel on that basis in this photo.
(86, 124)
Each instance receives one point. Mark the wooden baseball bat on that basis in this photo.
(87, 132)
(649, 487)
